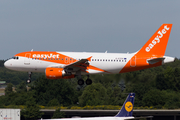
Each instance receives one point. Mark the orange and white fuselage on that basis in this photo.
(37, 61)
(67, 64)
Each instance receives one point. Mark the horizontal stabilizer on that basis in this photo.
(155, 60)
(137, 118)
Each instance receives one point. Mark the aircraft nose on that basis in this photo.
(7, 64)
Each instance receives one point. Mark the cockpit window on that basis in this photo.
(16, 57)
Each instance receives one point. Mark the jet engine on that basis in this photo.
(56, 73)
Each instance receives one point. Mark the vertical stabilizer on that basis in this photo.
(152, 53)
(127, 108)
(156, 45)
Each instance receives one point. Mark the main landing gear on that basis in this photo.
(88, 81)
(81, 81)
(29, 79)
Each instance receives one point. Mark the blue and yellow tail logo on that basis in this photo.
(128, 106)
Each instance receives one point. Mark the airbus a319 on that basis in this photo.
(67, 65)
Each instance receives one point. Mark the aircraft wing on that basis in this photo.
(79, 65)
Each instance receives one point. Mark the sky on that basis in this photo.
(115, 26)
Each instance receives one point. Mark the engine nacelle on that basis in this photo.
(56, 73)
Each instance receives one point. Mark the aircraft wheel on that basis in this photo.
(88, 81)
(29, 81)
(80, 82)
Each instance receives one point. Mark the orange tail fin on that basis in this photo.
(156, 45)
(152, 53)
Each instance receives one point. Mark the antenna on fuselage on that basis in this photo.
(31, 50)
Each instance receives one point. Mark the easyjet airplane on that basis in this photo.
(71, 64)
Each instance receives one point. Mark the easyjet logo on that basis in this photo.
(157, 38)
(45, 55)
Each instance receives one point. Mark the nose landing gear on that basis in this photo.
(29, 79)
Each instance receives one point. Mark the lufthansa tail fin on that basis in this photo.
(156, 45)
(127, 108)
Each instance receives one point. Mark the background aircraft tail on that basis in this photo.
(127, 108)
(156, 45)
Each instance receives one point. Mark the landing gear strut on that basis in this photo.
(29, 79)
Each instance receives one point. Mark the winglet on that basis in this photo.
(89, 59)
(127, 108)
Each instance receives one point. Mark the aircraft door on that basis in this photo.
(66, 60)
(133, 61)
(27, 59)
